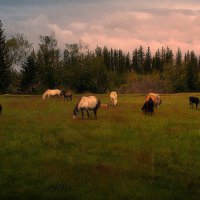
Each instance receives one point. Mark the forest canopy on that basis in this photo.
(100, 70)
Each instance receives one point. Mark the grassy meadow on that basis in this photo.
(124, 154)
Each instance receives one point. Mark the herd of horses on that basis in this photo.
(87, 103)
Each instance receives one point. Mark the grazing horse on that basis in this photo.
(194, 100)
(67, 96)
(113, 98)
(148, 107)
(155, 97)
(87, 103)
(52, 93)
(1, 108)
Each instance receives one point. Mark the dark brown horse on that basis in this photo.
(67, 96)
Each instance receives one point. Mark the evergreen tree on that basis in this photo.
(29, 74)
(122, 62)
(106, 58)
(141, 59)
(5, 68)
(178, 57)
(135, 61)
(192, 72)
(148, 61)
(169, 56)
(128, 62)
(98, 51)
(116, 60)
(157, 61)
(112, 60)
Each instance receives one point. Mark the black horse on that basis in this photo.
(148, 107)
(194, 100)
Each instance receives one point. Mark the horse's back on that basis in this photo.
(155, 97)
(89, 102)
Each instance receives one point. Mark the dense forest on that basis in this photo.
(25, 70)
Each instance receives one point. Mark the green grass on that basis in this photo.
(45, 154)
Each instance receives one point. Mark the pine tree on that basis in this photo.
(178, 57)
(5, 68)
(122, 62)
(135, 61)
(29, 74)
(192, 73)
(157, 61)
(141, 59)
(148, 61)
(128, 62)
(106, 58)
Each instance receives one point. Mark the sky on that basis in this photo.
(121, 24)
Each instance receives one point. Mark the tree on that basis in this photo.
(5, 68)
(29, 74)
(48, 61)
(192, 72)
(157, 64)
(135, 61)
(19, 48)
(128, 62)
(178, 57)
(148, 61)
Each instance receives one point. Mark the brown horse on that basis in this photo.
(67, 96)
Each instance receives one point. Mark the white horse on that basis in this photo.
(155, 97)
(53, 93)
(113, 98)
(87, 103)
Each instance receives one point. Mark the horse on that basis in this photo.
(67, 96)
(194, 100)
(53, 93)
(148, 107)
(1, 108)
(87, 103)
(155, 97)
(113, 98)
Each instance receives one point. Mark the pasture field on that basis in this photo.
(45, 154)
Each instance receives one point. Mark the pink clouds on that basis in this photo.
(120, 25)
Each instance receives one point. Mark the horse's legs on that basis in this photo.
(95, 113)
(88, 114)
(82, 113)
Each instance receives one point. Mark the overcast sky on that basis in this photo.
(124, 24)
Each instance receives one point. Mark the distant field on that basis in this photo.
(45, 154)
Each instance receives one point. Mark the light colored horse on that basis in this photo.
(155, 97)
(52, 93)
(87, 103)
(113, 98)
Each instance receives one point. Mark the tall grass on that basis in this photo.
(45, 154)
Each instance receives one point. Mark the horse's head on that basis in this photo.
(75, 112)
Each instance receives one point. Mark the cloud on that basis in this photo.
(118, 24)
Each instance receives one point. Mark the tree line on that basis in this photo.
(79, 69)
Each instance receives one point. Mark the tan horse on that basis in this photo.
(87, 103)
(155, 97)
(113, 98)
(52, 93)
